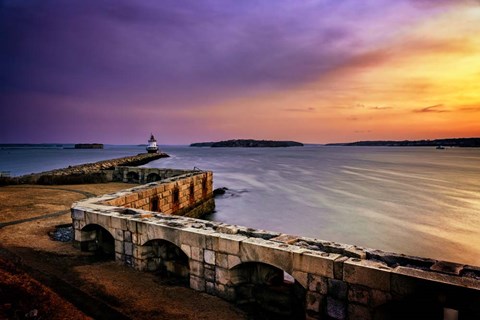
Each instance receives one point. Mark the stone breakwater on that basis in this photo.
(285, 276)
(96, 172)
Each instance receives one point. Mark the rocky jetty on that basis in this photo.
(96, 172)
(248, 143)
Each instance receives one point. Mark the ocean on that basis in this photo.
(412, 200)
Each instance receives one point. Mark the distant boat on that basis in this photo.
(440, 148)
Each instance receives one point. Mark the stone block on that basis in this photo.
(104, 221)
(196, 268)
(118, 234)
(135, 238)
(371, 274)
(466, 282)
(127, 235)
(359, 312)
(210, 288)
(209, 274)
(317, 284)
(337, 289)
(192, 238)
(119, 246)
(119, 223)
(257, 249)
(131, 198)
(336, 309)
(186, 249)
(119, 257)
(222, 275)
(233, 261)
(91, 218)
(128, 248)
(131, 225)
(78, 214)
(314, 301)
(159, 189)
(142, 252)
(229, 243)
(338, 267)
(355, 252)
(315, 263)
(209, 256)
(403, 285)
(85, 235)
(119, 202)
(221, 260)
(197, 254)
(197, 284)
(301, 277)
(359, 294)
(378, 298)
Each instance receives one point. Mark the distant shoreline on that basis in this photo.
(248, 143)
(449, 142)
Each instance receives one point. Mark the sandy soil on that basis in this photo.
(41, 273)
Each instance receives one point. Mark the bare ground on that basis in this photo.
(56, 281)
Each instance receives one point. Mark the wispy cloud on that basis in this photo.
(438, 108)
(380, 108)
(470, 108)
(300, 109)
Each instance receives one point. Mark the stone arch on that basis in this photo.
(268, 291)
(101, 241)
(167, 259)
(152, 177)
(133, 177)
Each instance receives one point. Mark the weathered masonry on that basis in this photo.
(283, 275)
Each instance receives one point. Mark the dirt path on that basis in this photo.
(79, 284)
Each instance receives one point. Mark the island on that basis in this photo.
(449, 142)
(248, 143)
(89, 146)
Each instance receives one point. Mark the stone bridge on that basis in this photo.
(278, 275)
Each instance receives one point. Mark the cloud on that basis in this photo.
(438, 108)
(380, 108)
(362, 131)
(300, 109)
(473, 108)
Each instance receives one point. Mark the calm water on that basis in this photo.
(418, 201)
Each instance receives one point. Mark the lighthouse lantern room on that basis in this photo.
(152, 145)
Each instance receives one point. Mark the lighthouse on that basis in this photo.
(152, 145)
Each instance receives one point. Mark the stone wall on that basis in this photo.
(284, 275)
(186, 194)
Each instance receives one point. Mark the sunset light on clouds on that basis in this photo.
(311, 71)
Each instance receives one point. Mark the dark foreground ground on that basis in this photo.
(45, 279)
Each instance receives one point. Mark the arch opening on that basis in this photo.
(133, 177)
(168, 261)
(102, 242)
(152, 177)
(268, 292)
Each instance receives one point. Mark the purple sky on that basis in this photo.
(114, 71)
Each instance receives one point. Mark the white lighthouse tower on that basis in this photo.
(152, 145)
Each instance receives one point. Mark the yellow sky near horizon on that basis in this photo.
(423, 85)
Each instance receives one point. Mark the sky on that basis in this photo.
(188, 71)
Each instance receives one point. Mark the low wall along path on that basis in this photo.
(154, 227)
